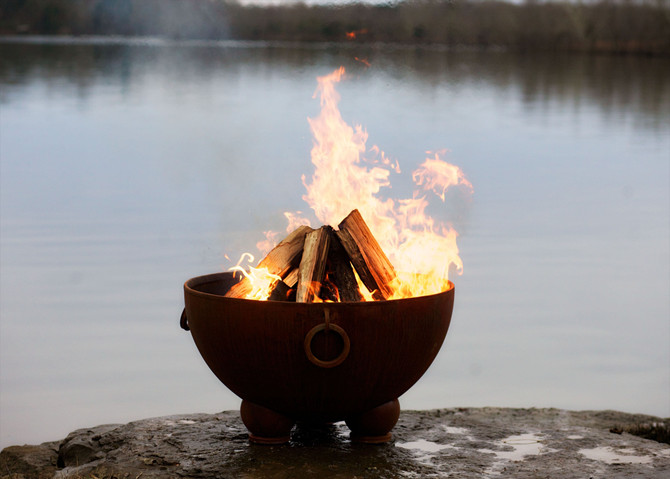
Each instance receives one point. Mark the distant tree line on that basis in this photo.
(172, 18)
(599, 25)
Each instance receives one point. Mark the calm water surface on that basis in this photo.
(128, 168)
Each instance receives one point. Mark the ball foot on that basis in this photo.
(374, 426)
(265, 425)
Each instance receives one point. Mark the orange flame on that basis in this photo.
(413, 241)
(422, 250)
(437, 175)
(268, 243)
(294, 220)
(261, 280)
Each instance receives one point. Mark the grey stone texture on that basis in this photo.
(459, 443)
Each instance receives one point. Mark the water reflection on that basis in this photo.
(634, 85)
(128, 167)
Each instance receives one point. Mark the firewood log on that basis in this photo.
(313, 264)
(280, 261)
(372, 265)
(291, 279)
(341, 273)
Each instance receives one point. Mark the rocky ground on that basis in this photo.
(462, 443)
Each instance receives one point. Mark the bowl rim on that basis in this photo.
(189, 287)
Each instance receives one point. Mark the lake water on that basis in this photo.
(129, 167)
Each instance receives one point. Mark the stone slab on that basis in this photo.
(463, 443)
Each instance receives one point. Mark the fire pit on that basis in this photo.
(315, 362)
(335, 322)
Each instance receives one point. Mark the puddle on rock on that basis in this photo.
(609, 455)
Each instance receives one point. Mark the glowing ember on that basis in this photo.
(421, 249)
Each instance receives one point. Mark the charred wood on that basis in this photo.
(282, 292)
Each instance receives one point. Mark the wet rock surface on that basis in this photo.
(464, 443)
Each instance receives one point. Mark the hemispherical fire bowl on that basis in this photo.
(315, 362)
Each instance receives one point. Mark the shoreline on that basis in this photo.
(168, 41)
(617, 26)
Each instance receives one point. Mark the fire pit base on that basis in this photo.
(374, 426)
(266, 426)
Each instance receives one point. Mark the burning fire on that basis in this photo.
(355, 33)
(261, 280)
(421, 249)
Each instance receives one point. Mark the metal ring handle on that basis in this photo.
(333, 362)
(183, 321)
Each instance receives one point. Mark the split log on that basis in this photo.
(280, 261)
(291, 278)
(313, 264)
(341, 273)
(372, 265)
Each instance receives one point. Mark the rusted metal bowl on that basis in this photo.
(315, 362)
